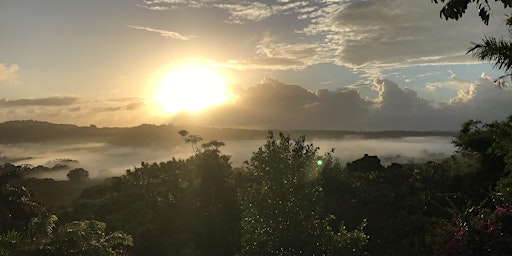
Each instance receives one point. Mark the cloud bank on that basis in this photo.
(275, 105)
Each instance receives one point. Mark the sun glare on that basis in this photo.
(191, 89)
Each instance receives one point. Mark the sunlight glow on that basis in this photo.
(191, 89)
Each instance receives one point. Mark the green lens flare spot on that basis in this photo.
(319, 162)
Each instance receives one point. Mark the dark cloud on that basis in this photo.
(49, 101)
(275, 105)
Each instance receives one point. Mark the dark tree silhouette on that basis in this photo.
(454, 9)
(78, 175)
(491, 49)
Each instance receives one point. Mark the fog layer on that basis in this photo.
(104, 160)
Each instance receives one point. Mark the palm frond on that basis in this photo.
(494, 50)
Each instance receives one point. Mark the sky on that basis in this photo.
(320, 64)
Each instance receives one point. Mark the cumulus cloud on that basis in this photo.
(9, 73)
(273, 104)
(164, 33)
(276, 105)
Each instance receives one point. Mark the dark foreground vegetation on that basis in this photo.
(285, 200)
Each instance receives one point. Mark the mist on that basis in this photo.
(105, 160)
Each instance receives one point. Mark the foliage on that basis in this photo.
(74, 238)
(475, 231)
(491, 145)
(497, 51)
(281, 212)
(17, 206)
(287, 200)
(454, 9)
(78, 175)
(178, 207)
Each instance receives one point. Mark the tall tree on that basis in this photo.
(281, 209)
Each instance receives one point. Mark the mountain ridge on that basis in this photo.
(33, 131)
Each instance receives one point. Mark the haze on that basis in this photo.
(104, 160)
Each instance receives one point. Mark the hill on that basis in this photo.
(29, 131)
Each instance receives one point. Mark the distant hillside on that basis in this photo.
(30, 131)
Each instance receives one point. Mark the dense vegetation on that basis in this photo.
(287, 199)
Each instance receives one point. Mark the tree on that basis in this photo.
(78, 175)
(491, 145)
(178, 207)
(281, 209)
(191, 139)
(17, 204)
(497, 51)
(454, 9)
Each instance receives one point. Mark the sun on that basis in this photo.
(192, 89)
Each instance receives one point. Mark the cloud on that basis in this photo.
(154, 7)
(273, 104)
(253, 11)
(111, 112)
(9, 73)
(365, 35)
(49, 101)
(163, 5)
(274, 56)
(164, 33)
(276, 105)
(388, 34)
(134, 105)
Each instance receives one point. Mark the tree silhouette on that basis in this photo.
(491, 49)
(191, 139)
(455, 9)
(78, 175)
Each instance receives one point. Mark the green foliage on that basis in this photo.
(281, 209)
(287, 200)
(17, 206)
(89, 238)
(81, 238)
(9, 241)
(178, 207)
(491, 145)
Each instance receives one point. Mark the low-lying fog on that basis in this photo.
(104, 160)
